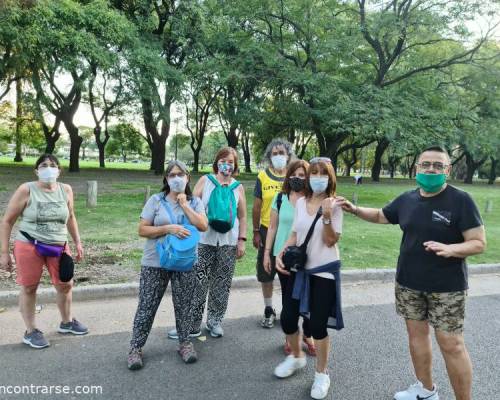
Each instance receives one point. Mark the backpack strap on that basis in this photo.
(169, 211)
(279, 201)
(234, 185)
(311, 229)
(213, 179)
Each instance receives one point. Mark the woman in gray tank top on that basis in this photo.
(47, 215)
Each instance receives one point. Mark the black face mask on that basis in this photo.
(297, 184)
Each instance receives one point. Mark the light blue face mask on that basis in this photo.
(318, 184)
(177, 184)
(279, 161)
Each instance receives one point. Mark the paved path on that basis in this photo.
(370, 359)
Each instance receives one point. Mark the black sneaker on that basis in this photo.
(269, 318)
(35, 339)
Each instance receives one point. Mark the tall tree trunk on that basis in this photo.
(493, 171)
(246, 151)
(75, 144)
(232, 137)
(472, 167)
(19, 120)
(196, 159)
(382, 146)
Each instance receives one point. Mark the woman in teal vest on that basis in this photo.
(47, 215)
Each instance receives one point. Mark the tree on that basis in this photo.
(125, 139)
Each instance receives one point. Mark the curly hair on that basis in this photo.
(278, 142)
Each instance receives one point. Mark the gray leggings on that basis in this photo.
(154, 282)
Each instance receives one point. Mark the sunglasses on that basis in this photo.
(316, 160)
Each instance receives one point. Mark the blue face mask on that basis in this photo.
(177, 184)
(318, 184)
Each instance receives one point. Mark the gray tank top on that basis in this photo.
(45, 215)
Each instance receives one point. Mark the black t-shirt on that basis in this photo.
(441, 218)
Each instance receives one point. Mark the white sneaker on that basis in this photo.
(289, 366)
(417, 392)
(320, 387)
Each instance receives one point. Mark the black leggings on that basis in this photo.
(284, 283)
(322, 300)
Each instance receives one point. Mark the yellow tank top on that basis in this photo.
(270, 185)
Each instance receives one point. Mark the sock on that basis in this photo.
(268, 302)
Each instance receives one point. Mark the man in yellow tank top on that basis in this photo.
(269, 182)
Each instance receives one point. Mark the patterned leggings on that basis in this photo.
(154, 282)
(214, 272)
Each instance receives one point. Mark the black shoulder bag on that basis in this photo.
(295, 257)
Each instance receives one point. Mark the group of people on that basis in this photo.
(296, 206)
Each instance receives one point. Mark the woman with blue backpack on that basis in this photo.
(224, 241)
(171, 221)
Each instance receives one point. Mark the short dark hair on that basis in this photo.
(292, 167)
(223, 153)
(47, 156)
(437, 149)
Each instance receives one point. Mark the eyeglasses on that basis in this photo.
(174, 175)
(438, 166)
(316, 160)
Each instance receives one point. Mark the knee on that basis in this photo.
(451, 345)
(318, 331)
(64, 288)
(29, 290)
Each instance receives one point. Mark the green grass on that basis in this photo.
(363, 245)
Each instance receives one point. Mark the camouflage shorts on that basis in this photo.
(444, 311)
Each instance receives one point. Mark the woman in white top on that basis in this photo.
(217, 252)
(314, 291)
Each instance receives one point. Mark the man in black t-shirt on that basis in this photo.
(441, 227)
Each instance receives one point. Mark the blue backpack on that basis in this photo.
(178, 254)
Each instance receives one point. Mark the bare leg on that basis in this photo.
(294, 341)
(27, 300)
(64, 299)
(322, 350)
(419, 339)
(267, 290)
(458, 363)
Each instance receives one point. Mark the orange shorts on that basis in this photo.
(29, 264)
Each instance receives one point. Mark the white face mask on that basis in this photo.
(279, 161)
(318, 184)
(48, 174)
(177, 184)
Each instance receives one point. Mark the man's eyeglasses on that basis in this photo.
(438, 166)
(316, 160)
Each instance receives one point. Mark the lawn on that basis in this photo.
(110, 230)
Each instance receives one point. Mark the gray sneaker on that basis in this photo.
(187, 352)
(215, 331)
(35, 339)
(75, 327)
(172, 334)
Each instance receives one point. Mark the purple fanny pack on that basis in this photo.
(44, 249)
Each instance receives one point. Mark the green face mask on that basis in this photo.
(431, 183)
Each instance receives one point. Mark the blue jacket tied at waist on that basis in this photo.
(302, 291)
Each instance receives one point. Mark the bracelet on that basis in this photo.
(244, 239)
(356, 211)
(256, 230)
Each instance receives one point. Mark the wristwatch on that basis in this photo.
(326, 221)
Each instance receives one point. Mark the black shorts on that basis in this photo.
(262, 275)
